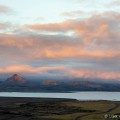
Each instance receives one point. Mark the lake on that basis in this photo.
(74, 95)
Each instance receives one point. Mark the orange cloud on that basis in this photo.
(28, 69)
(98, 37)
(95, 39)
(16, 41)
(98, 27)
(80, 27)
(70, 73)
(92, 74)
(56, 48)
(72, 52)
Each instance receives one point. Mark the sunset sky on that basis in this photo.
(60, 39)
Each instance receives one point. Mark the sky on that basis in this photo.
(60, 39)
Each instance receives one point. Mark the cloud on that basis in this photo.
(58, 47)
(91, 74)
(60, 71)
(115, 2)
(95, 38)
(72, 52)
(77, 13)
(4, 26)
(78, 48)
(28, 69)
(5, 9)
(14, 41)
(98, 36)
(100, 27)
(40, 19)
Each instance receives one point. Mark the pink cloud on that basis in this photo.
(5, 9)
(70, 73)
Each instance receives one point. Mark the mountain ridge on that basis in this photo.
(16, 83)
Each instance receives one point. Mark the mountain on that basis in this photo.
(16, 79)
(16, 83)
(50, 82)
(85, 84)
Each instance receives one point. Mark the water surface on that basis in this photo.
(73, 95)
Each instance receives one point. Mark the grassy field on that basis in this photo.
(57, 109)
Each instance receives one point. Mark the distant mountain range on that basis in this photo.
(17, 83)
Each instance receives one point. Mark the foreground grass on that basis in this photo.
(56, 109)
(99, 109)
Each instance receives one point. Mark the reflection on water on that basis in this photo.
(73, 95)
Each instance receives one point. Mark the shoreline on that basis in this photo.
(81, 96)
(35, 99)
